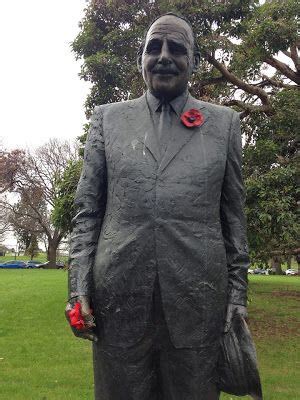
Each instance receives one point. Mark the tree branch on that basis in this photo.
(274, 82)
(257, 91)
(294, 57)
(25, 227)
(212, 81)
(285, 252)
(40, 219)
(293, 54)
(225, 39)
(287, 53)
(284, 69)
(248, 108)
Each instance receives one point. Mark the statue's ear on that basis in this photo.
(196, 61)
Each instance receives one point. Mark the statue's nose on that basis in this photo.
(165, 57)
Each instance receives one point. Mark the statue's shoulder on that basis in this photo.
(120, 106)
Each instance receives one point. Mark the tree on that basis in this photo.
(33, 248)
(270, 163)
(10, 162)
(4, 222)
(249, 61)
(35, 184)
(64, 208)
(22, 219)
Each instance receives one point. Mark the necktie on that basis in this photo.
(164, 127)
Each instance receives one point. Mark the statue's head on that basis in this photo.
(168, 56)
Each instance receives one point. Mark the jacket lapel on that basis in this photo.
(181, 135)
(141, 125)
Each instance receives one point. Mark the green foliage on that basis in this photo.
(271, 28)
(23, 236)
(272, 211)
(285, 121)
(42, 257)
(64, 209)
(33, 249)
(270, 169)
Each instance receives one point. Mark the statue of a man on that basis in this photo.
(158, 249)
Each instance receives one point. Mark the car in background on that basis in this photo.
(291, 272)
(250, 271)
(33, 264)
(59, 265)
(14, 264)
(260, 271)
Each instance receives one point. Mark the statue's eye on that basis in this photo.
(153, 47)
(177, 48)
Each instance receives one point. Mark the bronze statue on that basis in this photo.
(158, 251)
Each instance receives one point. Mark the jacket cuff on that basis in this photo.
(74, 296)
(79, 283)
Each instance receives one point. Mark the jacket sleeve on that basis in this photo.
(90, 202)
(233, 218)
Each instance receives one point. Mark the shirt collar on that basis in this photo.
(177, 104)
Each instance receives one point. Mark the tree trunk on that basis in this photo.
(51, 254)
(53, 243)
(297, 258)
(276, 265)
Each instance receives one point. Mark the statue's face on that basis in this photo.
(168, 58)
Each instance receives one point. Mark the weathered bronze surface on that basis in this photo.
(159, 249)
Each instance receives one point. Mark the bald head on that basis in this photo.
(168, 21)
(168, 58)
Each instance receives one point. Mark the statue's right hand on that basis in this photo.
(88, 318)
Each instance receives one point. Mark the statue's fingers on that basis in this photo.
(85, 334)
(92, 337)
(67, 310)
(89, 321)
(85, 309)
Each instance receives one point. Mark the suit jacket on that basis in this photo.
(180, 219)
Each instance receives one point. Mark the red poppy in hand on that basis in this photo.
(76, 318)
(192, 118)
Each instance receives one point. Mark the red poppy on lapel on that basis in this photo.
(76, 318)
(192, 118)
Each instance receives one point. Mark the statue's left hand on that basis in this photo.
(233, 309)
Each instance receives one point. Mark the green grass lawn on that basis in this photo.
(40, 257)
(10, 257)
(41, 360)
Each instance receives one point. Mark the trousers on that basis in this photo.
(154, 369)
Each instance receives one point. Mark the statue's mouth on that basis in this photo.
(161, 71)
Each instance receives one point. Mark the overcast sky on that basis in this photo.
(40, 91)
